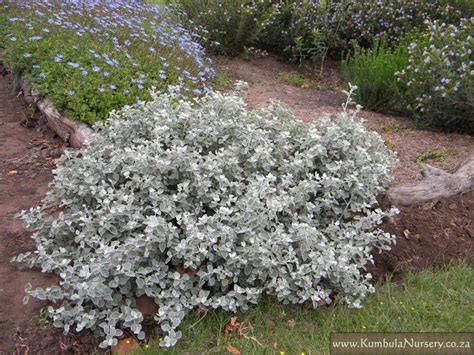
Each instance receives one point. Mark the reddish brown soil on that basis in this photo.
(26, 151)
(429, 235)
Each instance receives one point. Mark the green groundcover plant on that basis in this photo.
(438, 83)
(90, 57)
(208, 203)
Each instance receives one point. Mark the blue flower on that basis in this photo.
(71, 93)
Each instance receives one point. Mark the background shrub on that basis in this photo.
(229, 25)
(90, 57)
(465, 7)
(373, 72)
(307, 30)
(208, 204)
(366, 22)
(293, 29)
(438, 83)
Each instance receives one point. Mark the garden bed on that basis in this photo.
(430, 235)
(83, 60)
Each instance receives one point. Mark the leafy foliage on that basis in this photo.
(465, 7)
(366, 22)
(438, 83)
(89, 57)
(308, 30)
(210, 204)
(373, 72)
(229, 25)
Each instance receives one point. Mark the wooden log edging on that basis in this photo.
(72, 133)
(437, 184)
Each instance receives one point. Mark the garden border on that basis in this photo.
(72, 133)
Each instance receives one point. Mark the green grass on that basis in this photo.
(295, 79)
(430, 301)
(437, 155)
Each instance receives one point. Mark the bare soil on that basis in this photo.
(430, 235)
(27, 153)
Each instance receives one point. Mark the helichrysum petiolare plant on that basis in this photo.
(208, 203)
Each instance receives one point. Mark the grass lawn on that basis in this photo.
(439, 300)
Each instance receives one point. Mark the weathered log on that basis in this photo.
(73, 133)
(437, 184)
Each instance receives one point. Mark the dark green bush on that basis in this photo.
(309, 29)
(373, 71)
(466, 7)
(229, 25)
(365, 22)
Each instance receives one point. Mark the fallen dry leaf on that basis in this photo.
(232, 326)
(406, 234)
(125, 346)
(231, 349)
(201, 310)
(12, 172)
(291, 322)
(51, 161)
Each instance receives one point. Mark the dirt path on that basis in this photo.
(24, 178)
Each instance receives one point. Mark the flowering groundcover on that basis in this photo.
(90, 57)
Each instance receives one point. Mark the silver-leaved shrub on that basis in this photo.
(208, 203)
